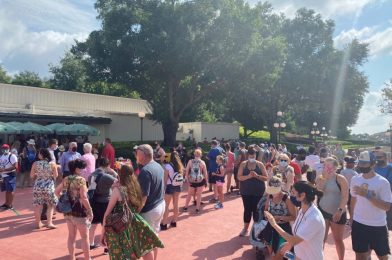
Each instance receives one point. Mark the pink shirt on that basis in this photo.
(90, 167)
(230, 160)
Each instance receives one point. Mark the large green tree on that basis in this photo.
(177, 54)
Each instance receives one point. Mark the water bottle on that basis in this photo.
(289, 255)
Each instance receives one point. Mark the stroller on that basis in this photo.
(257, 227)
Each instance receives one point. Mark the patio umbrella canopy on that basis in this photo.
(78, 129)
(8, 129)
(30, 128)
(55, 126)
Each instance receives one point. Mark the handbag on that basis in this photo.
(64, 203)
(119, 221)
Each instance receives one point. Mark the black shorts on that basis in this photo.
(170, 189)
(365, 238)
(98, 211)
(328, 216)
(211, 179)
(235, 173)
(197, 185)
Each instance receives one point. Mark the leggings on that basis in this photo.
(250, 207)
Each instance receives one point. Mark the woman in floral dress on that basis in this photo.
(44, 172)
(138, 239)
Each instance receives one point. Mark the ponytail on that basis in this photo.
(309, 189)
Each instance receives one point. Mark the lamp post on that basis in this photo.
(315, 131)
(141, 115)
(279, 125)
(324, 133)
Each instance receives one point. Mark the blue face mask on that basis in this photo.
(283, 164)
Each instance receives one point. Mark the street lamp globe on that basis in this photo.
(317, 132)
(323, 128)
(312, 132)
(282, 125)
(276, 125)
(141, 115)
(314, 124)
(279, 113)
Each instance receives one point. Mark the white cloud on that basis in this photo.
(371, 120)
(328, 8)
(380, 41)
(36, 33)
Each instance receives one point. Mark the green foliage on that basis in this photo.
(28, 78)
(386, 106)
(4, 78)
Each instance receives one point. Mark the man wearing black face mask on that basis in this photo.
(371, 199)
(385, 170)
(71, 155)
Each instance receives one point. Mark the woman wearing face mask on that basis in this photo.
(309, 226)
(252, 175)
(286, 171)
(333, 203)
(283, 210)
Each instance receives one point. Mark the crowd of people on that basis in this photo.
(304, 194)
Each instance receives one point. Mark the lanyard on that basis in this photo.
(300, 221)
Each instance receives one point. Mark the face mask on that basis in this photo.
(283, 164)
(364, 169)
(3, 151)
(380, 162)
(329, 169)
(252, 160)
(74, 149)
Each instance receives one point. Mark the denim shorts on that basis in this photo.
(170, 189)
(9, 184)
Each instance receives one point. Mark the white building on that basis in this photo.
(115, 117)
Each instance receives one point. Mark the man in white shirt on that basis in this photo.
(371, 199)
(312, 158)
(8, 163)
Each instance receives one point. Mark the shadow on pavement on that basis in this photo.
(224, 249)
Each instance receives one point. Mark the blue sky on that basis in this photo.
(36, 33)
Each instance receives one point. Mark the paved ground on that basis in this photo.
(210, 235)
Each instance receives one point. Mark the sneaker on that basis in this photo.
(163, 227)
(94, 246)
(244, 232)
(197, 211)
(173, 224)
(10, 207)
(4, 206)
(185, 209)
(218, 205)
(106, 251)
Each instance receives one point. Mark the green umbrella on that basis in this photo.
(8, 129)
(30, 128)
(55, 126)
(78, 129)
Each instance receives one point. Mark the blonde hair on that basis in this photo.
(198, 152)
(284, 157)
(333, 161)
(219, 158)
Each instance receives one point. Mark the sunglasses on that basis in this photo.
(283, 160)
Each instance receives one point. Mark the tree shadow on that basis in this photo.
(224, 249)
(346, 234)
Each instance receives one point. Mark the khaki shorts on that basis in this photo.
(154, 216)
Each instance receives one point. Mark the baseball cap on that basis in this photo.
(5, 146)
(366, 157)
(274, 185)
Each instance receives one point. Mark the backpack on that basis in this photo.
(196, 175)
(178, 179)
(30, 155)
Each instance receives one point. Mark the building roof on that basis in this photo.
(16, 99)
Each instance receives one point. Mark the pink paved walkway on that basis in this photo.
(210, 235)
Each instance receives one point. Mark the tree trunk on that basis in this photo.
(273, 135)
(245, 133)
(169, 133)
